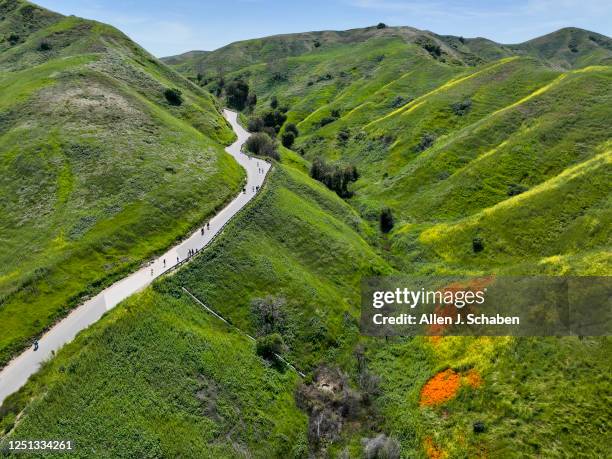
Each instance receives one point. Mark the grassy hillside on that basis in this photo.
(171, 379)
(505, 144)
(447, 141)
(463, 139)
(565, 48)
(98, 169)
(158, 377)
(301, 245)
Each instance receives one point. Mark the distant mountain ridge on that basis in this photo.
(566, 48)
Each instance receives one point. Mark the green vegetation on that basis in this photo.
(201, 379)
(487, 159)
(160, 378)
(474, 158)
(100, 168)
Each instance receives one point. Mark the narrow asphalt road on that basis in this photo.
(17, 372)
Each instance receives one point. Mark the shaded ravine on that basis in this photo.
(17, 372)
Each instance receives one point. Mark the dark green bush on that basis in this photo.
(261, 144)
(237, 92)
(477, 244)
(334, 177)
(274, 119)
(400, 101)
(251, 100)
(255, 124)
(292, 128)
(343, 136)
(44, 46)
(269, 345)
(386, 220)
(173, 96)
(426, 141)
(287, 139)
(516, 189)
(462, 108)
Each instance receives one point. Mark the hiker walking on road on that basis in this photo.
(151, 271)
(36, 345)
(164, 262)
(208, 226)
(202, 231)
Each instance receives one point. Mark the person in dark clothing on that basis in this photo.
(36, 345)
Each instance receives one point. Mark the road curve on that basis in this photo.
(17, 372)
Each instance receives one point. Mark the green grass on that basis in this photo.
(546, 397)
(537, 123)
(159, 377)
(159, 349)
(299, 242)
(99, 172)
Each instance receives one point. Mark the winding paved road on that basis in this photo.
(17, 372)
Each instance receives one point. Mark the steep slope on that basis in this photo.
(99, 169)
(438, 139)
(181, 382)
(510, 148)
(476, 142)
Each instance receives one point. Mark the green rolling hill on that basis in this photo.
(445, 131)
(462, 139)
(98, 170)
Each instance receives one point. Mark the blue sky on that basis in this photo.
(170, 27)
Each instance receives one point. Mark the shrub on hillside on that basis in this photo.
(477, 244)
(269, 345)
(515, 189)
(237, 92)
(462, 108)
(430, 46)
(44, 46)
(274, 119)
(269, 313)
(292, 128)
(274, 102)
(173, 96)
(251, 100)
(261, 144)
(426, 141)
(386, 220)
(400, 101)
(13, 39)
(381, 25)
(270, 131)
(334, 177)
(255, 124)
(343, 136)
(287, 139)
